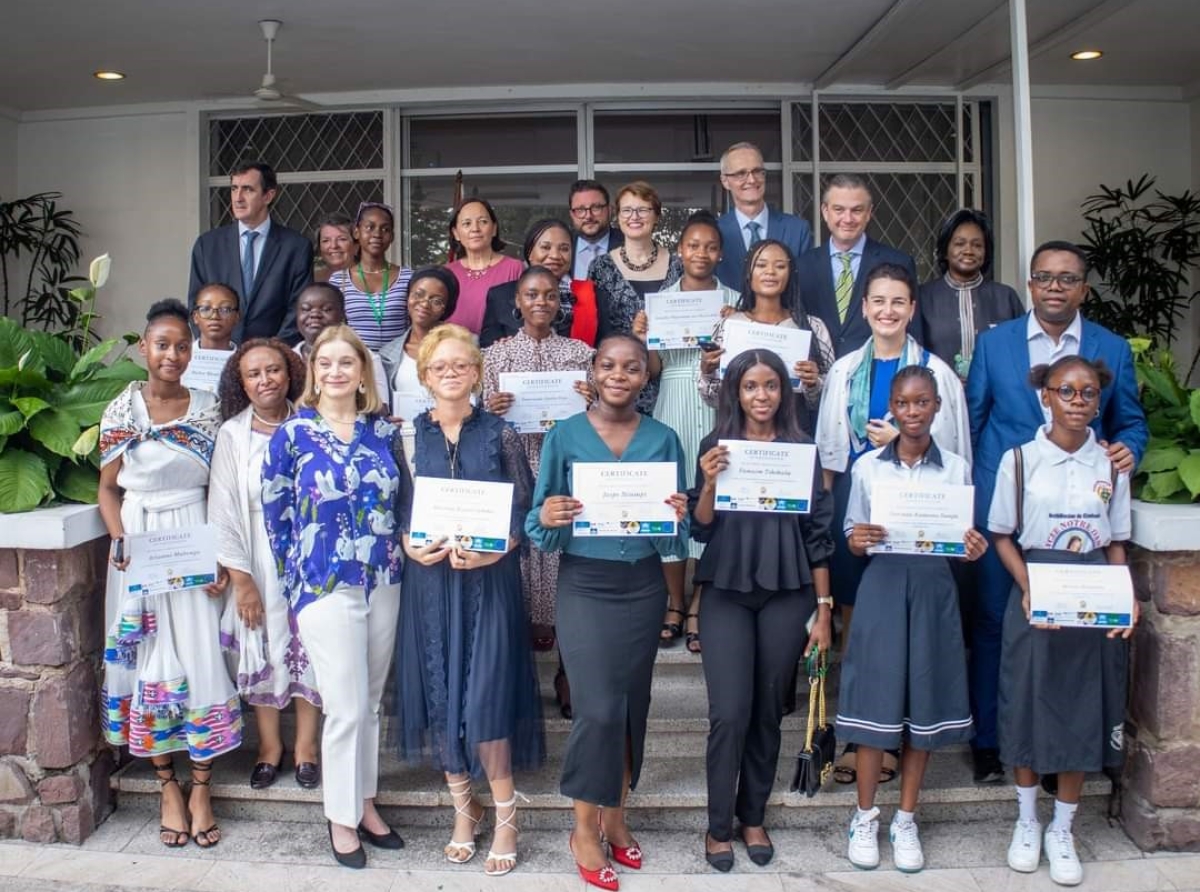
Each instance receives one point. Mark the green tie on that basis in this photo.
(845, 285)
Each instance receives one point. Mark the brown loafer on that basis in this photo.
(308, 775)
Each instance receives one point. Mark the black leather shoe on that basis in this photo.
(265, 774)
(759, 854)
(308, 775)
(355, 860)
(389, 840)
(988, 769)
(722, 861)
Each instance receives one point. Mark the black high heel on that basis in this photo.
(562, 693)
(355, 860)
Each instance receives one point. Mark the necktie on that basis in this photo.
(844, 286)
(755, 230)
(248, 267)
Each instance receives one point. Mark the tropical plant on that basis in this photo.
(51, 399)
(1170, 468)
(42, 240)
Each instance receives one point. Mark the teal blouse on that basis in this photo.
(575, 440)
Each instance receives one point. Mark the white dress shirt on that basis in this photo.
(263, 229)
(1042, 348)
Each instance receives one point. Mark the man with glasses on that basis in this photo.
(1006, 411)
(744, 177)
(591, 217)
(264, 262)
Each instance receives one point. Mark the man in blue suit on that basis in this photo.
(833, 276)
(266, 263)
(745, 178)
(1006, 411)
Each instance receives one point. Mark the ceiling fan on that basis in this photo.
(268, 94)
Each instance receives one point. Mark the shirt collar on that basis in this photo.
(1033, 328)
(262, 228)
(932, 456)
(857, 248)
(1056, 455)
(761, 219)
(601, 243)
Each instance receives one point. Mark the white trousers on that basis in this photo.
(350, 643)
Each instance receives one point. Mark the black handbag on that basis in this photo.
(814, 765)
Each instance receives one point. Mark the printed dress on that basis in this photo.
(166, 687)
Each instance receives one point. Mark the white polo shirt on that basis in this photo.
(1070, 504)
(884, 465)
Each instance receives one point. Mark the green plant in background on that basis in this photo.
(1170, 469)
(52, 396)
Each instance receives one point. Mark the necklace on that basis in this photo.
(636, 267)
(264, 421)
(452, 455)
(377, 301)
(340, 420)
(478, 273)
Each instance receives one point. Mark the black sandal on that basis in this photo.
(166, 775)
(210, 836)
(691, 640)
(671, 632)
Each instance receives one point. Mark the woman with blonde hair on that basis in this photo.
(330, 484)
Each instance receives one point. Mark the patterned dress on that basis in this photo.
(521, 353)
(166, 688)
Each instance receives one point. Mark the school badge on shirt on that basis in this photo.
(1103, 489)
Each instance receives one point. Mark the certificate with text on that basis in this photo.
(624, 498)
(767, 477)
(789, 344)
(923, 518)
(474, 515)
(682, 319)
(204, 369)
(1081, 595)
(540, 399)
(166, 561)
(408, 404)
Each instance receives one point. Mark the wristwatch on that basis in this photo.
(827, 601)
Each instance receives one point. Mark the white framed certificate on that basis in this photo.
(789, 344)
(541, 399)
(474, 515)
(408, 404)
(923, 518)
(767, 477)
(682, 319)
(164, 561)
(1084, 596)
(204, 369)
(624, 498)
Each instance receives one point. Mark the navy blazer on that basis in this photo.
(787, 228)
(815, 271)
(284, 269)
(1006, 410)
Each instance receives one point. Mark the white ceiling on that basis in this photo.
(187, 51)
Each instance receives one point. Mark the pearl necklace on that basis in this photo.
(263, 421)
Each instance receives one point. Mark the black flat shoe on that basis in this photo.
(988, 769)
(265, 774)
(355, 860)
(389, 840)
(308, 775)
(759, 854)
(722, 861)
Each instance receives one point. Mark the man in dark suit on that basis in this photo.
(266, 263)
(1007, 412)
(833, 276)
(751, 220)
(591, 215)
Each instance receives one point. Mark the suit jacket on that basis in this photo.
(1006, 411)
(787, 228)
(284, 270)
(616, 238)
(817, 291)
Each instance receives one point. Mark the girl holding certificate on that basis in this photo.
(1058, 499)
(904, 678)
(465, 683)
(166, 689)
(765, 573)
(258, 387)
(330, 482)
(610, 595)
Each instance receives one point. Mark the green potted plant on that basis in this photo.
(1170, 469)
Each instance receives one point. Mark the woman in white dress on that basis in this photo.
(271, 668)
(166, 688)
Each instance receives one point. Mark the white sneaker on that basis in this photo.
(906, 847)
(1025, 850)
(864, 840)
(1065, 868)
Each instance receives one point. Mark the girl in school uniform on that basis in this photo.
(905, 673)
(1058, 499)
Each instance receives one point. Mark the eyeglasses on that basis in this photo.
(629, 213)
(740, 176)
(1064, 280)
(442, 369)
(213, 312)
(438, 303)
(1066, 393)
(594, 210)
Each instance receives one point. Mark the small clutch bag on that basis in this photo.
(814, 765)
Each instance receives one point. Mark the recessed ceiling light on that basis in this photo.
(108, 75)
(1086, 55)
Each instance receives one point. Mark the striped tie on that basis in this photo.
(845, 285)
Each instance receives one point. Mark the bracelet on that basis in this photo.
(827, 601)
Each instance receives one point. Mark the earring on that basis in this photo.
(317, 389)
(517, 315)
(362, 387)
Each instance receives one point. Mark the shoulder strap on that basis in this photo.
(1019, 478)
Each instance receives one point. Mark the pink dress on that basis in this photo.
(473, 288)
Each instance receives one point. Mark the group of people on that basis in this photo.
(307, 475)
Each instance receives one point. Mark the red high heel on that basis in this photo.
(604, 878)
(629, 856)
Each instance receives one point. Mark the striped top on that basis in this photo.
(361, 317)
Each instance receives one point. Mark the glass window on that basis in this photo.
(493, 141)
(657, 137)
(290, 143)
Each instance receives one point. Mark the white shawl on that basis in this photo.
(228, 485)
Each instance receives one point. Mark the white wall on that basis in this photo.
(8, 157)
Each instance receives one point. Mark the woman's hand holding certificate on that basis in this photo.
(922, 518)
(761, 476)
(467, 515)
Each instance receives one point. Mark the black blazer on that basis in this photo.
(284, 270)
(815, 272)
(500, 319)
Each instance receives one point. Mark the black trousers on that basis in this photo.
(751, 645)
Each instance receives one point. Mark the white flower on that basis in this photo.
(98, 271)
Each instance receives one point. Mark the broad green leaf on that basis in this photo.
(1189, 471)
(122, 370)
(1163, 459)
(56, 354)
(79, 483)
(86, 444)
(79, 295)
(85, 402)
(14, 343)
(56, 430)
(93, 356)
(27, 380)
(3, 442)
(30, 405)
(24, 482)
(1194, 406)
(11, 421)
(1165, 483)
(1161, 384)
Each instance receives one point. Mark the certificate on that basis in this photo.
(1081, 595)
(922, 518)
(408, 404)
(682, 318)
(766, 477)
(165, 561)
(542, 398)
(789, 344)
(624, 498)
(204, 369)
(474, 515)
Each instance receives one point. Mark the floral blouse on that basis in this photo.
(330, 506)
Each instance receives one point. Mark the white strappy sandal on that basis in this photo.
(508, 821)
(461, 852)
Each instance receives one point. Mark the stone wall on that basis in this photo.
(54, 767)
